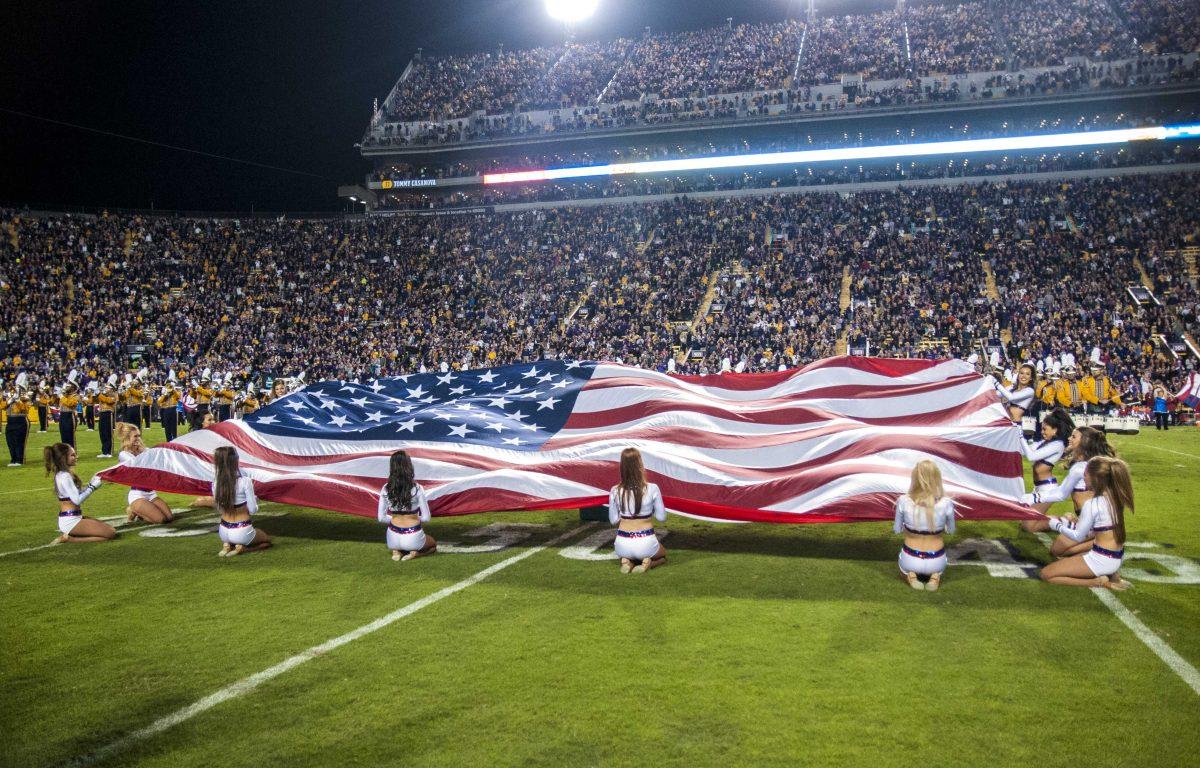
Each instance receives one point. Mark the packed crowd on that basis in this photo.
(758, 282)
(925, 39)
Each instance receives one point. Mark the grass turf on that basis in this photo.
(755, 645)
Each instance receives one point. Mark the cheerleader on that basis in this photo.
(16, 431)
(233, 496)
(73, 526)
(1084, 444)
(631, 504)
(1101, 527)
(143, 502)
(1020, 398)
(923, 515)
(404, 508)
(1056, 428)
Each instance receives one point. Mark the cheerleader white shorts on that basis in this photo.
(923, 563)
(235, 534)
(405, 539)
(636, 545)
(1103, 562)
(68, 520)
(145, 494)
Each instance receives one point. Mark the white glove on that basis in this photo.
(95, 482)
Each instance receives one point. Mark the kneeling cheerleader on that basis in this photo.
(1084, 444)
(631, 504)
(1056, 429)
(142, 502)
(73, 526)
(233, 496)
(404, 508)
(923, 515)
(1102, 521)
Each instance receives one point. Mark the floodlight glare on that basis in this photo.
(571, 11)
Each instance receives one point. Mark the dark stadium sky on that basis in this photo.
(287, 84)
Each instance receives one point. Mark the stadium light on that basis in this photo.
(571, 11)
(877, 152)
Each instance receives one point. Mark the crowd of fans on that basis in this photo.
(930, 39)
(693, 284)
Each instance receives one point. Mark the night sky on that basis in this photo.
(286, 84)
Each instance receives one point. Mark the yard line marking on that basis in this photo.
(27, 549)
(248, 684)
(1177, 453)
(1179, 665)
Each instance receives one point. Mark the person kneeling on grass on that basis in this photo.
(234, 498)
(404, 508)
(1101, 517)
(72, 525)
(923, 515)
(631, 504)
(143, 503)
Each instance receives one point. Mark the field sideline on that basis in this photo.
(755, 645)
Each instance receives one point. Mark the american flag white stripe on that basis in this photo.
(733, 447)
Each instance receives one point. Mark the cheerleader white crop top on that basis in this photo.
(420, 505)
(66, 489)
(652, 505)
(1075, 480)
(243, 493)
(1022, 398)
(1046, 452)
(1095, 515)
(912, 519)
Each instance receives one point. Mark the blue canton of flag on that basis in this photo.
(516, 407)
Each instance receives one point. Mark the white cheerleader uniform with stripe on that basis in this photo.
(1094, 516)
(1076, 480)
(135, 493)
(1021, 398)
(240, 532)
(636, 545)
(66, 489)
(912, 519)
(404, 539)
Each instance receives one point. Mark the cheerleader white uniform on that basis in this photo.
(65, 486)
(404, 539)
(135, 493)
(241, 532)
(1021, 398)
(1094, 516)
(636, 545)
(1046, 453)
(1076, 480)
(912, 519)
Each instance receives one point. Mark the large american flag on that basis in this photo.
(833, 441)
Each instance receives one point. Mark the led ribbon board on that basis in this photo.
(920, 149)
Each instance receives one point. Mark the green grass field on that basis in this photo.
(755, 645)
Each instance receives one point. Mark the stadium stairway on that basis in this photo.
(1147, 283)
(844, 295)
(989, 281)
(1189, 256)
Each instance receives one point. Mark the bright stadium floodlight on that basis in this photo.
(878, 152)
(571, 11)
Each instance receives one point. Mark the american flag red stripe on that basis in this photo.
(833, 441)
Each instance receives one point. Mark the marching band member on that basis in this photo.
(225, 394)
(250, 402)
(17, 405)
(168, 407)
(43, 404)
(73, 526)
(133, 399)
(631, 504)
(923, 515)
(1019, 399)
(142, 502)
(89, 404)
(107, 401)
(202, 393)
(1099, 392)
(1085, 444)
(1100, 527)
(68, 402)
(404, 508)
(147, 403)
(1067, 392)
(233, 496)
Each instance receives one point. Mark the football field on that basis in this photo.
(521, 643)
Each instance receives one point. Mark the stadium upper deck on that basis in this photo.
(927, 54)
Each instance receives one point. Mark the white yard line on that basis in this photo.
(1177, 663)
(249, 684)
(27, 549)
(1168, 450)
